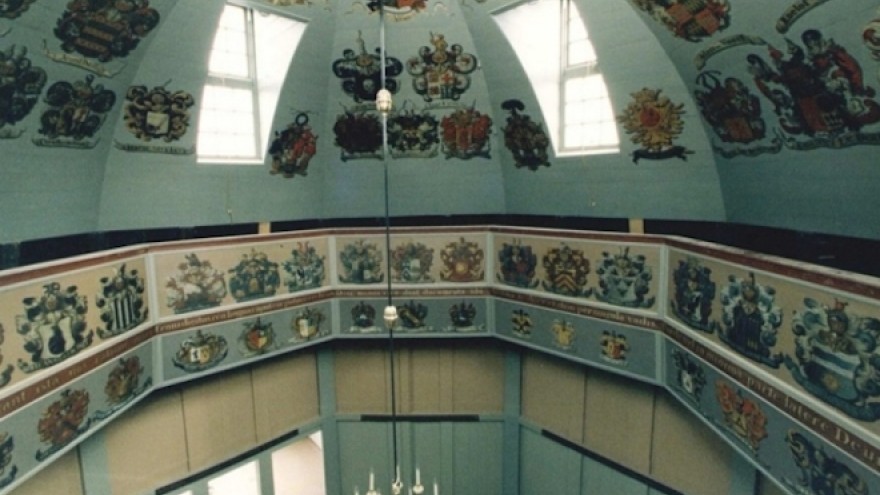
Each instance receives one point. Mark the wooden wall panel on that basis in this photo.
(146, 446)
(361, 380)
(619, 416)
(61, 477)
(219, 417)
(477, 379)
(431, 378)
(424, 379)
(686, 454)
(285, 394)
(553, 394)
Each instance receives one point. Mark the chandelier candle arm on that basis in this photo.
(372, 489)
(417, 488)
(397, 484)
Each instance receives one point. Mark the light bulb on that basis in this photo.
(383, 101)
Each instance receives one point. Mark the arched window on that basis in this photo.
(565, 74)
(246, 70)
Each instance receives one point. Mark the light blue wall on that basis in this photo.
(612, 185)
(146, 190)
(49, 192)
(821, 190)
(46, 192)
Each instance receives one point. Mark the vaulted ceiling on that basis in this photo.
(768, 115)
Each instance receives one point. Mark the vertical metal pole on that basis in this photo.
(395, 464)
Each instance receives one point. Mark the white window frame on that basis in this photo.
(583, 70)
(263, 460)
(248, 83)
(545, 61)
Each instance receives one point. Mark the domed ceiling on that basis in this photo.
(757, 113)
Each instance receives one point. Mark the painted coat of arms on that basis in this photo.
(694, 293)
(521, 322)
(361, 72)
(361, 263)
(563, 334)
(63, 421)
(462, 317)
(123, 385)
(412, 134)
(121, 302)
(200, 351)
(20, 86)
(307, 325)
(359, 135)
(871, 38)
(818, 93)
(751, 319)
(732, 110)
(8, 471)
(614, 347)
(566, 272)
(516, 264)
(305, 268)
(693, 20)
(689, 375)
(525, 138)
(820, 473)
(105, 29)
(6, 374)
(441, 73)
(624, 280)
(363, 319)
(412, 316)
(465, 134)
(255, 277)
(741, 415)
(53, 326)
(293, 148)
(653, 122)
(197, 285)
(411, 263)
(462, 262)
(256, 338)
(400, 9)
(10, 9)
(836, 357)
(287, 3)
(76, 112)
(157, 113)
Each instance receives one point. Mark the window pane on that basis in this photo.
(575, 89)
(589, 119)
(227, 127)
(576, 29)
(538, 51)
(243, 480)
(298, 468)
(575, 104)
(581, 52)
(229, 54)
(247, 67)
(576, 112)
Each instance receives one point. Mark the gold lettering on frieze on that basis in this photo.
(235, 313)
(580, 309)
(13, 402)
(824, 427)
